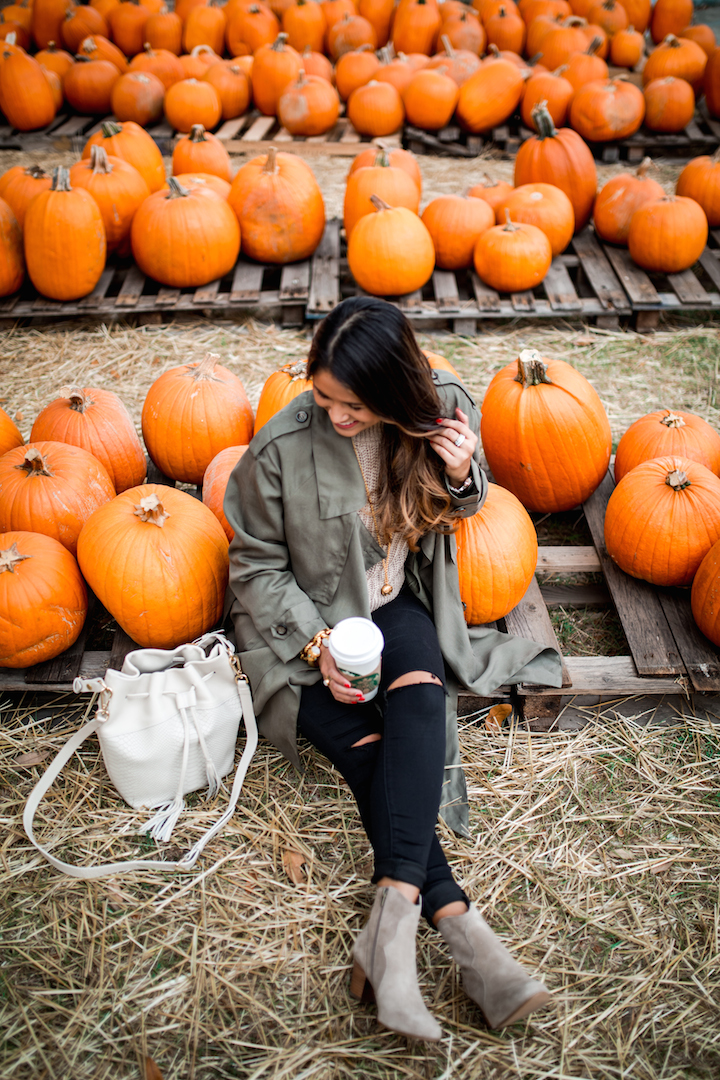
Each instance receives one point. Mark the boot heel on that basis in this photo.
(360, 987)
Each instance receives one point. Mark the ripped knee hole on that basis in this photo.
(375, 737)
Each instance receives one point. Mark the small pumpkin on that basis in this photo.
(390, 252)
(97, 421)
(492, 191)
(309, 106)
(533, 411)
(700, 180)
(677, 56)
(495, 575)
(215, 483)
(97, 47)
(355, 69)
(305, 25)
(607, 110)
(55, 59)
(586, 67)
(490, 96)
(117, 188)
(349, 33)
(618, 200)
(512, 257)
(196, 63)
(626, 48)
(191, 102)
(703, 35)
(163, 30)
(25, 94)
(201, 151)
(416, 26)
(389, 182)
(459, 64)
(43, 600)
(610, 15)
(190, 414)
(662, 519)
(204, 180)
(401, 159)
(138, 96)
(669, 104)
(127, 24)
(467, 34)
(455, 225)
(280, 389)
(669, 17)
(250, 27)
(79, 22)
(375, 109)
(205, 25)
(157, 559)
(232, 85)
(162, 63)
(430, 98)
(666, 433)
(668, 235)
(10, 435)
(129, 142)
(543, 205)
(275, 66)
(552, 88)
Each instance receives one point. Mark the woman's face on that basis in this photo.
(347, 413)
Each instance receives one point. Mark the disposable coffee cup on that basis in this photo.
(356, 646)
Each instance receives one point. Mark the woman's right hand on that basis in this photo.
(335, 681)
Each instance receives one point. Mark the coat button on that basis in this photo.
(301, 416)
(435, 376)
(281, 630)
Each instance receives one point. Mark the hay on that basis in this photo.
(595, 856)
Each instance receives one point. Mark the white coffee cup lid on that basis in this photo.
(356, 640)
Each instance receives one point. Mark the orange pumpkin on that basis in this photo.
(191, 102)
(664, 433)
(250, 28)
(552, 88)
(561, 42)
(129, 142)
(390, 252)
(669, 104)
(560, 157)
(97, 421)
(494, 575)
(466, 33)
(702, 35)
(668, 234)
(10, 435)
(232, 85)
(638, 13)
(280, 208)
(380, 13)
(416, 26)
(397, 72)
(430, 98)
(620, 198)
(138, 96)
(305, 25)
(185, 237)
(349, 33)
(490, 95)
(459, 64)
(512, 257)
(43, 599)
(401, 159)
(60, 221)
(12, 261)
(51, 488)
(700, 180)
(55, 59)
(626, 48)
(705, 593)
(88, 86)
(47, 19)
(190, 414)
(610, 15)
(389, 182)
(543, 205)
(118, 189)
(215, 483)
(79, 22)
(204, 180)
(127, 26)
(455, 225)
(163, 30)
(309, 106)
(608, 110)
(205, 25)
(506, 30)
(533, 411)
(662, 519)
(492, 191)
(280, 389)
(274, 68)
(679, 57)
(355, 69)
(314, 63)
(196, 63)
(669, 17)
(97, 47)
(585, 67)
(201, 151)
(160, 62)
(25, 94)
(711, 83)
(173, 552)
(375, 109)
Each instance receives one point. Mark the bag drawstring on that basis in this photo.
(161, 825)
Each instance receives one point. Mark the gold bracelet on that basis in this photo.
(311, 652)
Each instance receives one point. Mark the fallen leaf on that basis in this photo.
(661, 867)
(584, 340)
(294, 862)
(35, 757)
(624, 854)
(19, 417)
(496, 716)
(151, 1070)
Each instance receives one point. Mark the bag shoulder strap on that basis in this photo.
(188, 860)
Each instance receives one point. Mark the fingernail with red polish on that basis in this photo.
(347, 685)
(361, 697)
(440, 420)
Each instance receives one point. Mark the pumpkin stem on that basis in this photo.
(197, 133)
(79, 400)
(494, 52)
(671, 41)
(296, 369)
(509, 225)
(645, 165)
(560, 71)
(378, 203)
(99, 160)
(151, 510)
(88, 47)
(279, 43)
(672, 420)
(531, 369)
(148, 48)
(206, 368)
(34, 463)
(535, 59)
(447, 45)
(382, 158)
(677, 480)
(110, 128)
(61, 179)
(202, 49)
(51, 46)
(593, 47)
(574, 20)
(36, 172)
(270, 165)
(543, 121)
(10, 558)
(177, 191)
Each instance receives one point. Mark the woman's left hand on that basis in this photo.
(455, 442)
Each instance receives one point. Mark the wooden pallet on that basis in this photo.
(124, 291)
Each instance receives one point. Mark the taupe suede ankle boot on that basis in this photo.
(490, 976)
(385, 959)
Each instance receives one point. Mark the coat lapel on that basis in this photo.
(339, 480)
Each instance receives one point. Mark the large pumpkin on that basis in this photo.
(668, 235)
(705, 595)
(679, 57)
(43, 600)
(545, 433)
(662, 519)
(280, 208)
(190, 414)
(158, 561)
(10, 435)
(618, 200)
(561, 158)
(700, 180)
(280, 388)
(664, 433)
(97, 421)
(52, 488)
(129, 142)
(118, 189)
(215, 483)
(390, 252)
(64, 239)
(494, 574)
(12, 262)
(490, 95)
(185, 237)
(25, 95)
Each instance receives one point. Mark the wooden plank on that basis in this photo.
(694, 133)
(688, 289)
(711, 265)
(206, 294)
(231, 128)
(329, 246)
(523, 301)
(100, 289)
(487, 299)
(446, 292)
(559, 289)
(156, 476)
(410, 302)
(163, 130)
(295, 281)
(73, 126)
(568, 560)
(258, 130)
(283, 135)
(167, 297)
(646, 629)
(575, 596)
(635, 281)
(598, 271)
(132, 288)
(611, 676)
(531, 620)
(246, 282)
(324, 292)
(122, 645)
(700, 656)
(9, 302)
(349, 136)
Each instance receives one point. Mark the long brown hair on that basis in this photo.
(368, 345)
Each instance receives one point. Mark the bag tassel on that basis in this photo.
(211, 773)
(161, 825)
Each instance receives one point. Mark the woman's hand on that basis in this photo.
(445, 443)
(336, 682)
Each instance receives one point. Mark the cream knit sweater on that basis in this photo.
(367, 446)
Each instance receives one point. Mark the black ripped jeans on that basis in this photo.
(396, 780)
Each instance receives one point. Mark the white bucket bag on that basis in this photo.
(168, 725)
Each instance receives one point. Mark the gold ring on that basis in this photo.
(326, 682)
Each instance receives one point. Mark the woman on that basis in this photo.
(345, 505)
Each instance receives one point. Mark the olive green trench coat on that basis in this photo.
(298, 562)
